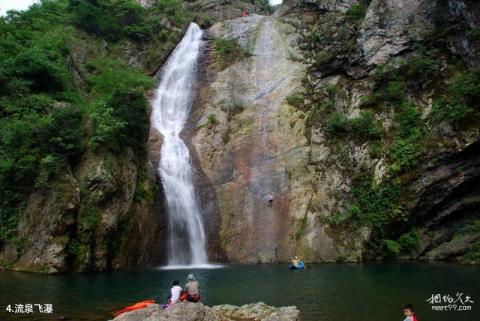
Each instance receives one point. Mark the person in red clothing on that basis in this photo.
(245, 13)
(409, 313)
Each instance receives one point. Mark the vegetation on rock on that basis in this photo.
(73, 78)
(228, 51)
(392, 119)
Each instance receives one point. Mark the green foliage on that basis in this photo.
(212, 119)
(356, 12)
(376, 203)
(233, 109)
(120, 112)
(473, 254)
(337, 124)
(112, 19)
(395, 90)
(394, 79)
(204, 20)
(375, 148)
(472, 228)
(364, 126)
(406, 147)
(145, 189)
(9, 219)
(228, 51)
(391, 248)
(460, 103)
(264, 5)
(112, 75)
(473, 34)
(295, 100)
(369, 100)
(74, 247)
(404, 154)
(421, 70)
(322, 58)
(174, 10)
(409, 241)
(108, 128)
(88, 219)
(46, 113)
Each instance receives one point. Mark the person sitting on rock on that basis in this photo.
(245, 13)
(175, 292)
(192, 289)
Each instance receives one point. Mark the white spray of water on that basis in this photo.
(171, 108)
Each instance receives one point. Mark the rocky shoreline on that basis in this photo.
(186, 311)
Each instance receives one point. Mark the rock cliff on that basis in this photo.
(312, 110)
(361, 117)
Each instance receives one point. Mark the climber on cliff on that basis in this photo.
(270, 199)
(245, 13)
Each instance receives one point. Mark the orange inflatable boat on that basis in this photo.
(136, 306)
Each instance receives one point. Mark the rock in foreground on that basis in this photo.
(186, 311)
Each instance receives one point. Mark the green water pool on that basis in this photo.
(345, 292)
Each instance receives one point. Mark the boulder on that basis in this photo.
(187, 311)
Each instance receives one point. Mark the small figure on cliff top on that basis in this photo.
(409, 313)
(270, 199)
(192, 289)
(245, 13)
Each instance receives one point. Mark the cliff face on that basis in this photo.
(361, 117)
(97, 210)
(101, 208)
(318, 110)
(245, 152)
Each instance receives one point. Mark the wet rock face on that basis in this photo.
(257, 146)
(198, 312)
(245, 154)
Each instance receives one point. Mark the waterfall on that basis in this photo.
(171, 107)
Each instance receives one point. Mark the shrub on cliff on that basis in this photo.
(365, 126)
(356, 12)
(120, 110)
(111, 19)
(228, 51)
(460, 102)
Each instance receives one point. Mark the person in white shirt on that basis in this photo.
(175, 292)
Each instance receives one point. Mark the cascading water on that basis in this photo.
(171, 108)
